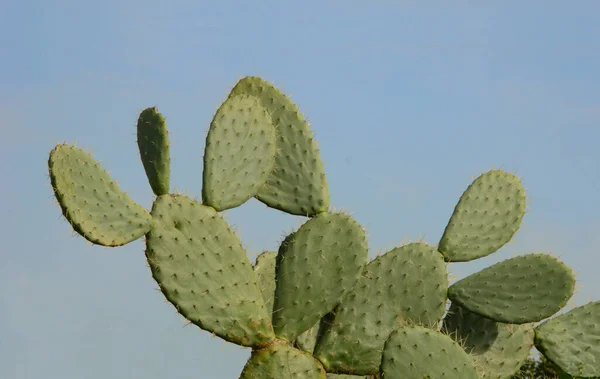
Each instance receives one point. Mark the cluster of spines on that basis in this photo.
(316, 305)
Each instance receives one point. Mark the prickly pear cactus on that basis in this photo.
(317, 308)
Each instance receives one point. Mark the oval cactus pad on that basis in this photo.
(518, 290)
(572, 340)
(316, 266)
(203, 270)
(486, 217)
(418, 352)
(499, 350)
(279, 361)
(153, 144)
(239, 154)
(92, 202)
(297, 183)
(406, 285)
(265, 273)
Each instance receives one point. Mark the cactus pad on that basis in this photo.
(297, 183)
(486, 217)
(407, 284)
(498, 349)
(153, 143)
(92, 202)
(572, 340)
(265, 273)
(282, 361)
(316, 266)
(418, 352)
(203, 270)
(240, 153)
(518, 290)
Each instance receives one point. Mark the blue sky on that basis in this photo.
(408, 101)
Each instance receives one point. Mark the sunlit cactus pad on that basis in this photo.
(239, 154)
(418, 352)
(406, 284)
(92, 202)
(572, 340)
(518, 290)
(297, 183)
(202, 268)
(486, 217)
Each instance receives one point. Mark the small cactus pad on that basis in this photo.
(316, 266)
(486, 217)
(203, 270)
(307, 340)
(279, 361)
(265, 273)
(418, 352)
(498, 349)
(518, 290)
(240, 153)
(153, 143)
(408, 284)
(92, 202)
(572, 340)
(297, 183)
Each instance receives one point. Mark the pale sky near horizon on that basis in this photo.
(408, 103)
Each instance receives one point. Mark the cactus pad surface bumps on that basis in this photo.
(518, 290)
(153, 144)
(572, 340)
(408, 284)
(92, 202)
(486, 217)
(297, 183)
(203, 270)
(239, 153)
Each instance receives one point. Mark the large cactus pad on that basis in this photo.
(92, 202)
(518, 290)
(203, 270)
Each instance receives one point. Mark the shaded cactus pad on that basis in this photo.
(297, 183)
(203, 270)
(406, 285)
(316, 266)
(92, 202)
(280, 360)
(265, 273)
(418, 352)
(498, 349)
(518, 290)
(239, 153)
(153, 144)
(486, 217)
(572, 340)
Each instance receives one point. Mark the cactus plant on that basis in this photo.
(317, 308)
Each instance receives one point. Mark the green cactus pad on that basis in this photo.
(316, 266)
(265, 272)
(572, 340)
(240, 153)
(153, 143)
(297, 183)
(92, 202)
(203, 270)
(307, 340)
(518, 290)
(418, 352)
(486, 217)
(408, 284)
(282, 361)
(498, 349)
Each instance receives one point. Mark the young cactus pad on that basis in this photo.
(518, 290)
(239, 153)
(202, 268)
(297, 183)
(92, 202)
(153, 143)
(486, 217)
